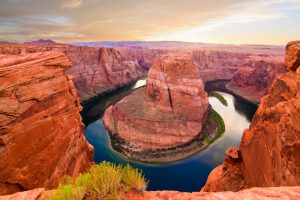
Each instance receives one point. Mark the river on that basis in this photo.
(186, 175)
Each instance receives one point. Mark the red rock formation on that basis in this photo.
(292, 58)
(253, 79)
(251, 75)
(41, 133)
(271, 193)
(218, 65)
(158, 116)
(97, 70)
(270, 149)
(36, 194)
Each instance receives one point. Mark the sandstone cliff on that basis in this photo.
(253, 79)
(269, 152)
(97, 70)
(158, 116)
(250, 74)
(100, 70)
(218, 65)
(41, 133)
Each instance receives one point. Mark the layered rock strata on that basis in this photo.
(41, 133)
(253, 79)
(170, 111)
(97, 70)
(250, 74)
(100, 70)
(269, 152)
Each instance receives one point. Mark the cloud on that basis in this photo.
(245, 13)
(189, 20)
(71, 4)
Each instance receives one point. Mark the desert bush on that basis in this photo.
(105, 180)
(133, 179)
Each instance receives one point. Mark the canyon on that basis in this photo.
(100, 70)
(40, 124)
(269, 152)
(250, 75)
(41, 133)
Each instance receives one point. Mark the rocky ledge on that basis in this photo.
(266, 193)
(269, 153)
(158, 122)
(41, 133)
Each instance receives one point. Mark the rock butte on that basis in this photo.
(41, 133)
(158, 116)
(269, 153)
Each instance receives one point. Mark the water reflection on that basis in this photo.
(186, 175)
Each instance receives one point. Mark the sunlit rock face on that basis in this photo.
(263, 193)
(97, 70)
(171, 110)
(269, 152)
(100, 70)
(41, 133)
(250, 74)
(218, 65)
(253, 79)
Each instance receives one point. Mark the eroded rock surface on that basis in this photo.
(250, 74)
(271, 193)
(41, 133)
(162, 115)
(97, 70)
(253, 79)
(270, 148)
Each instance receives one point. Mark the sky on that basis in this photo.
(210, 21)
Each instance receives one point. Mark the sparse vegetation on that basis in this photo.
(221, 123)
(105, 180)
(220, 98)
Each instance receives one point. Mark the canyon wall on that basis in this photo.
(97, 70)
(218, 65)
(250, 74)
(253, 79)
(41, 133)
(100, 70)
(269, 152)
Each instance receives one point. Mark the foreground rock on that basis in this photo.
(272, 193)
(270, 149)
(36, 194)
(267, 193)
(158, 116)
(41, 133)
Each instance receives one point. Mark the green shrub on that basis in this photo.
(133, 179)
(105, 180)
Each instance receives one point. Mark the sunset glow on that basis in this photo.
(232, 21)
